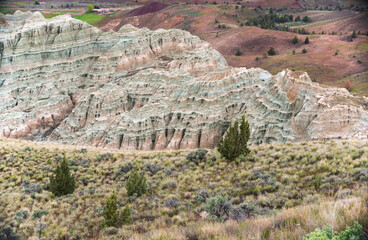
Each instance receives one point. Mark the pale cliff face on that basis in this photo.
(64, 80)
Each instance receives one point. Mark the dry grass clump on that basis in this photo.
(279, 190)
(289, 224)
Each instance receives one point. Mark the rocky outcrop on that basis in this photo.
(64, 80)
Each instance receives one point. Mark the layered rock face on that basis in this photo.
(66, 81)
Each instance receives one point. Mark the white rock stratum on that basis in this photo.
(66, 81)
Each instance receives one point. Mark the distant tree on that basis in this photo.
(111, 214)
(354, 35)
(272, 51)
(295, 40)
(297, 19)
(294, 52)
(90, 8)
(235, 142)
(36, 2)
(62, 182)
(238, 52)
(348, 85)
(257, 58)
(136, 183)
(306, 19)
(304, 50)
(306, 40)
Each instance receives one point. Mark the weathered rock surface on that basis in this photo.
(64, 80)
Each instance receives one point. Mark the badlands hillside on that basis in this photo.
(63, 80)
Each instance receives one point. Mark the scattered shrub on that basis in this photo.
(39, 213)
(197, 156)
(171, 202)
(202, 196)
(104, 157)
(304, 50)
(21, 215)
(218, 207)
(153, 168)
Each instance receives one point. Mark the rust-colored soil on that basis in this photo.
(329, 58)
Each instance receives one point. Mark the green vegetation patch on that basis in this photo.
(51, 14)
(90, 18)
(8, 10)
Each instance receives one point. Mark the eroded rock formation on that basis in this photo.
(64, 80)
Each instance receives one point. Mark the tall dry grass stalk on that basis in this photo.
(289, 224)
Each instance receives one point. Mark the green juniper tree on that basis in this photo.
(235, 142)
(306, 40)
(295, 40)
(111, 213)
(62, 182)
(354, 35)
(271, 52)
(136, 184)
(125, 216)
